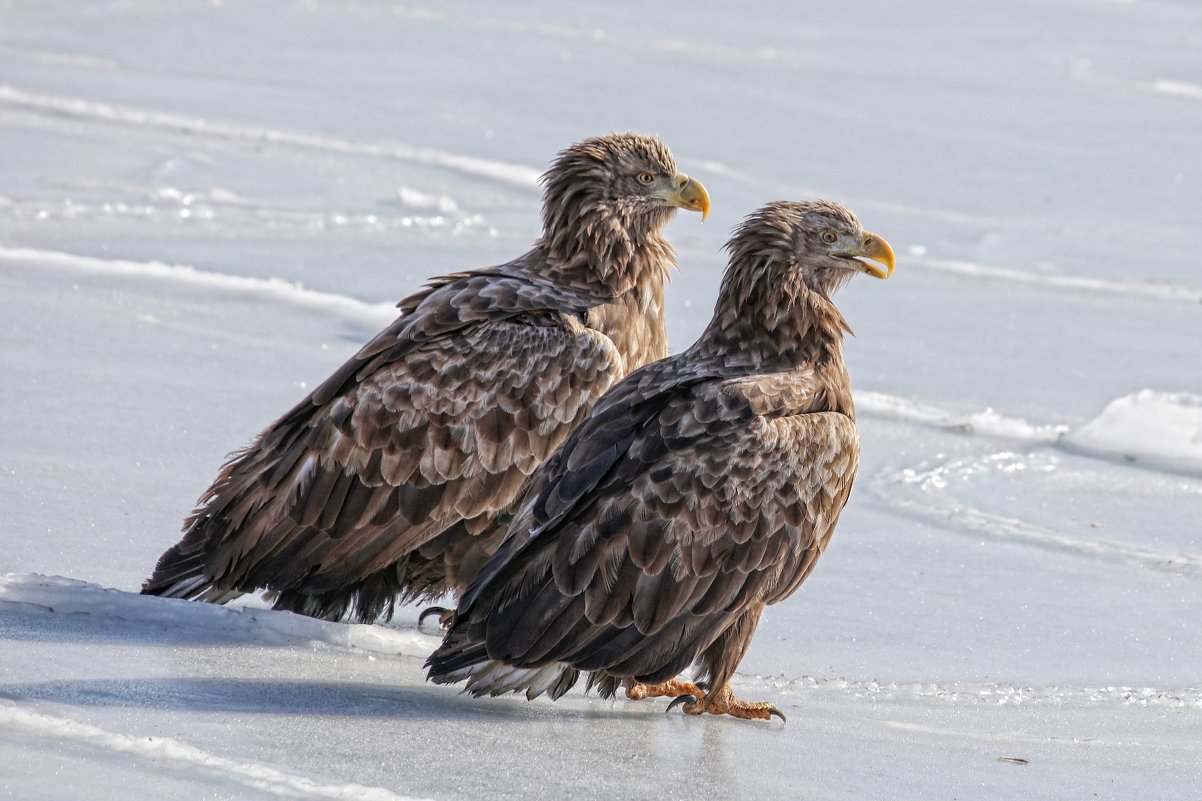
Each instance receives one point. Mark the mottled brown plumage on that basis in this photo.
(700, 489)
(385, 482)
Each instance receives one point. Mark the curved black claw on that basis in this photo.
(687, 698)
(433, 610)
(772, 710)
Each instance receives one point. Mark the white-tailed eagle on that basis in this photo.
(697, 491)
(386, 481)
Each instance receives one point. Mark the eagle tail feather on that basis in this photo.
(486, 676)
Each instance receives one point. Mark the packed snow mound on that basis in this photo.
(1160, 429)
(986, 422)
(1154, 429)
(72, 597)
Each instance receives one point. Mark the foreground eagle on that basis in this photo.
(700, 489)
(385, 482)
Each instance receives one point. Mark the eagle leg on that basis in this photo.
(638, 691)
(445, 616)
(723, 702)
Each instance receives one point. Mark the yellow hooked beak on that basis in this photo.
(687, 193)
(877, 250)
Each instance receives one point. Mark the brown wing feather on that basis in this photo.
(400, 461)
(674, 511)
(635, 323)
(439, 420)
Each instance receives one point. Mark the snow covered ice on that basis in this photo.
(205, 207)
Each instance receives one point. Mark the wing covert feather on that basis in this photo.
(711, 509)
(421, 437)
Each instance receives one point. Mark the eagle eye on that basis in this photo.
(646, 178)
(829, 236)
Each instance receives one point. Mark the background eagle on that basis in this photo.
(700, 489)
(385, 481)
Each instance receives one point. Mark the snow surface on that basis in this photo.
(205, 207)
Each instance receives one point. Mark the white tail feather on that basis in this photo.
(497, 678)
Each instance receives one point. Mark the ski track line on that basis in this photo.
(966, 518)
(593, 35)
(518, 175)
(434, 15)
(272, 289)
(1172, 88)
(1039, 740)
(165, 749)
(1153, 291)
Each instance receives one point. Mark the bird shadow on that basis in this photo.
(312, 698)
(211, 695)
